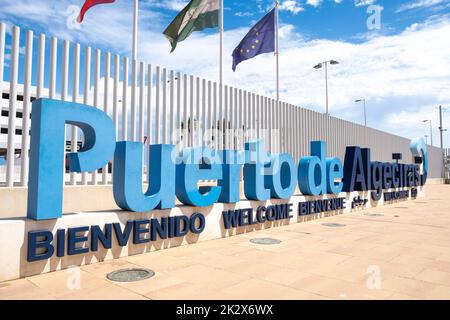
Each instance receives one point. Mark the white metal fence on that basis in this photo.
(154, 105)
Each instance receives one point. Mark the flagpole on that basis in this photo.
(135, 30)
(221, 43)
(219, 126)
(277, 52)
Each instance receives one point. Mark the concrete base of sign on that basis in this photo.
(14, 232)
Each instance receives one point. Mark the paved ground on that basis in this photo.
(404, 254)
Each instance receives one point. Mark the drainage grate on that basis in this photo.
(265, 241)
(130, 275)
(374, 214)
(333, 225)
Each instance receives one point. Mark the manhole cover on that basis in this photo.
(265, 241)
(333, 225)
(129, 275)
(396, 216)
(374, 214)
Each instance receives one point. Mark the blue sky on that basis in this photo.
(402, 68)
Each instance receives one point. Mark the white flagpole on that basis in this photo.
(221, 42)
(277, 52)
(135, 30)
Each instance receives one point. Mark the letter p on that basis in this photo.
(47, 169)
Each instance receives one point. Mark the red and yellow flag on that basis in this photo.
(89, 4)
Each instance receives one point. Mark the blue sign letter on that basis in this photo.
(127, 177)
(45, 186)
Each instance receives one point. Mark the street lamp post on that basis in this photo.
(365, 114)
(431, 130)
(319, 66)
(441, 132)
(426, 138)
(441, 128)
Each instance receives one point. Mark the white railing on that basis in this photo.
(155, 105)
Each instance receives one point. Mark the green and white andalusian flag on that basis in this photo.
(196, 16)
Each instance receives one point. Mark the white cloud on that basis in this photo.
(417, 4)
(359, 3)
(175, 5)
(243, 14)
(291, 6)
(314, 3)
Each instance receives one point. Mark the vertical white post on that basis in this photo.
(75, 80)
(225, 117)
(185, 111)
(272, 124)
(149, 116)
(220, 120)
(86, 89)
(197, 111)
(116, 94)
(26, 107)
(214, 117)
(135, 29)
(191, 112)
(178, 122)
(116, 97)
(53, 60)
(254, 111)
(209, 125)
(96, 95)
(40, 66)
(157, 116)
(65, 70)
(64, 84)
(133, 99)
(230, 119)
(203, 108)
(105, 106)
(240, 131)
(237, 102)
(14, 67)
(245, 122)
(171, 104)
(164, 105)
(124, 99)
(266, 122)
(141, 102)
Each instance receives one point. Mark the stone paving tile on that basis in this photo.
(402, 255)
(264, 290)
(416, 288)
(338, 289)
(186, 290)
(22, 289)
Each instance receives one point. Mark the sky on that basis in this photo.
(395, 53)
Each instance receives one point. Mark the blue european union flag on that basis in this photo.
(260, 39)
